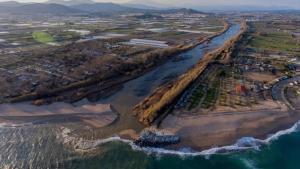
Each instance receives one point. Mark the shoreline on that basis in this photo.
(36, 118)
(275, 126)
(24, 114)
(240, 144)
(220, 131)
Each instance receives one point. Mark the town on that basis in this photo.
(57, 52)
(149, 84)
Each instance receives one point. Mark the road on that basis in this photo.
(277, 90)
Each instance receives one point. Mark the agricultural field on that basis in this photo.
(267, 52)
(58, 52)
(276, 36)
(42, 37)
(204, 93)
(220, 87)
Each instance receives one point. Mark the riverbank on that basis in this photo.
(95, 88)
(153, 106)
(219, 128)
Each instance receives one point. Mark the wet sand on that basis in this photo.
(96, 115)
(220, 128)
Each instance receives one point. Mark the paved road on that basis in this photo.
(278, 90)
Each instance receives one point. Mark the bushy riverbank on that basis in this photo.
(149, 109)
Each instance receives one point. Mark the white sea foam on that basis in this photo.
(244, 143)
(249, 163)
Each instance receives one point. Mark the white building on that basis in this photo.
(145, 42)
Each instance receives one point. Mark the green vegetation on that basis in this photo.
(211, 96)
(273, 40)
(207, 97)
(42, 37)
(197, 97)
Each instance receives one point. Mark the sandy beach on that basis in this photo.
(96, 115)
(225, 128)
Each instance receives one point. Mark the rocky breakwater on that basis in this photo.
(151, 137)
(152, 107)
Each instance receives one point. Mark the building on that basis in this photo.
(145, 42)
(241, 90)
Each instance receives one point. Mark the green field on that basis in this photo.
(274, 41)
(197, 97)
(42, 37)
(212, 95)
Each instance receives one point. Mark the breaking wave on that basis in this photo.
(244, 143)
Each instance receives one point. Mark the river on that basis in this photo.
(41, 146)
(136, 90)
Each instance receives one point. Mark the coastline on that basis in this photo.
(262, 134)
(80, 145)
(220, 130)
(23, 114)
(25, 118)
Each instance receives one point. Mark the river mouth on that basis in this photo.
(22, 144)
(137, 89)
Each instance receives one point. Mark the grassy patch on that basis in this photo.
(196, 97)
(274, 41)
(42, 37)
(212, 95)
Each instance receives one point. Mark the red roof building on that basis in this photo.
(241, 90)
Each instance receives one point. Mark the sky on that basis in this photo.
(190, 3)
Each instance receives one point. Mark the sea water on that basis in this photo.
(279, 151)
(42, 147)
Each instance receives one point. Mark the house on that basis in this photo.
(241, 90)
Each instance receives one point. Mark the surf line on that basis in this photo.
(245, 143)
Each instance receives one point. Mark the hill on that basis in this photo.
(70, 2)
(142, 6)
(105, 8)
(10, 4)
(38, 8)
(64, 7)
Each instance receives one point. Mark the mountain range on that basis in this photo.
(81, 7)
(36, 8)
(75, 7)
(70, 2)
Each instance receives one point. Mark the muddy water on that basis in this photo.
(136, 90)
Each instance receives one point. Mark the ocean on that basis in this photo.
(41, 147)
(278, 151)
(280, 154)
